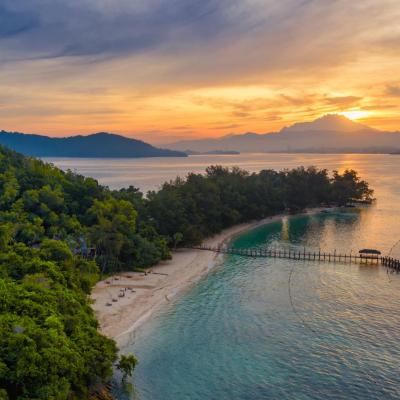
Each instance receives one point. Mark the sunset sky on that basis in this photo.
(161, 70)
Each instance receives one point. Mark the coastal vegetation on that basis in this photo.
(202, 205)
(50, 347)
(127, 364)
(60, 231)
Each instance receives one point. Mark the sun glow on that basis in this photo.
(355, 114)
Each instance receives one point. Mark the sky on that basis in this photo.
(164, 70)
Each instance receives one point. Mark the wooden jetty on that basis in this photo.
(391, 263)
(304, 255)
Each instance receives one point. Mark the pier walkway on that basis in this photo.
(305, 255)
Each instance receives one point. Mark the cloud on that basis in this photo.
(224, 127)
(393, 90)
(296, 101)
(181, 128)
(14, 23)
(285, 30)
(343, 101)
(378, 107)
(58, 28)
(188, 43)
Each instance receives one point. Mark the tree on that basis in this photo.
(348, 186)
(6, 235)
(126, 365)
(178, 237)
(55, 250)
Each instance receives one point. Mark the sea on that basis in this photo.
(257, 329)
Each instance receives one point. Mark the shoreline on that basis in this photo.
(123, 302)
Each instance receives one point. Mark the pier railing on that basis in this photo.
(391, 263)
(304, 255)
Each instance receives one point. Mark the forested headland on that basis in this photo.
(59, 231)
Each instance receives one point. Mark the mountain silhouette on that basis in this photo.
(330, 133)
(100, 144)
(329, 122)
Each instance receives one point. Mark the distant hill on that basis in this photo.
(329, 134)
(97, 145)
(212, 152)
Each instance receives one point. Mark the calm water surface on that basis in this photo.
(150, 173)
(277, 329)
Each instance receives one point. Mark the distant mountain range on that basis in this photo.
(97, 145)
(332, 133)
(212, 152)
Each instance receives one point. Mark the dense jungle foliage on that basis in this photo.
(59, 231)
(201, 205)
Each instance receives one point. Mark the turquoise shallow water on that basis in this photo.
(281, 329)
(269, 329)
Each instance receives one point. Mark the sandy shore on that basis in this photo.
(123, 302)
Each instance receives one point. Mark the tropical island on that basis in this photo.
(60, 233)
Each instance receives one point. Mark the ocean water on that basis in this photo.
(277, 329)
(150, 173)
(283, 329)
